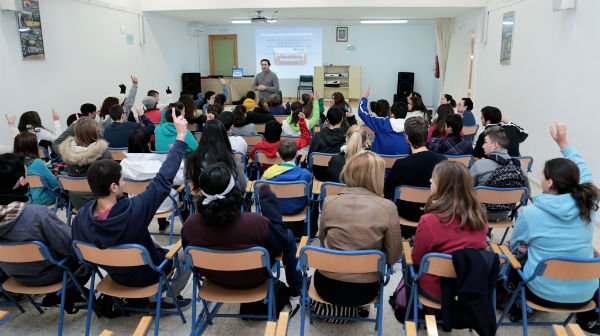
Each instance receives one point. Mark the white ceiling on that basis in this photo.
(329, 15)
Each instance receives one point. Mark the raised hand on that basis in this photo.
(55, 115)
(349, 112)
(169, 91)
(367, 92)
(301, 115)
(210, 116)
(180, 125)
(139, 110)
(222, 80)
(134, 80)
(560, 134)
(316, 95)
(123, 88)
(11, 119)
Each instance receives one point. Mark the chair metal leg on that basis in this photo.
(524, 310)
(195, 319)
(504, 236)
(303, 313)
(170, 290)
(33, 303)
(63, 294)
(12, 299)
(90, 299)
(158, 305)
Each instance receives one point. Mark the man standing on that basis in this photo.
(266, 82)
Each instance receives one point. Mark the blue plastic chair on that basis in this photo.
(75, 184)
(319, 159)
(491, 195)
(36, 251)
(467, 160)
(391, 159)
(349, 262)
(4, 316)
(562, 268)
(411, 194)
(36, 181)
(209, 292)
(527, 161)
(128, 255)
(288, 189)
(261, 158)
(328, 188)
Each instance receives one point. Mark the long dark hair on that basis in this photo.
(443, 111)
(26, 144)
(214, 147)
(220, 212)
(296, 108)
(189, 106)
(239, 116)
(307, 104)
(450, 100)
(31, 119)
(564, 174)
(106, 104)
(418, 105)
(138, 141)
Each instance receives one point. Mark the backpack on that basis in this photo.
(507, 175)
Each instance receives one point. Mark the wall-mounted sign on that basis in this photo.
(30, 31)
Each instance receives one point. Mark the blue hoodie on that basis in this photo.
(551, 227)
(389, 133)
(287, 172)
(128, 220)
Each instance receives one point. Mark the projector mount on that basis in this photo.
(261, 19)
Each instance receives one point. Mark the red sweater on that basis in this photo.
(435, 236)
(270, 149)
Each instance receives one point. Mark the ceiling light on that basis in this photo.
(271, 21)
(383, 21)
(240, 21)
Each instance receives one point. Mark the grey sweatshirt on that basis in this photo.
(482, 169)
(268, 79)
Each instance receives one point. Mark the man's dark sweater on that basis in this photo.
(128, 220)
(515, 135)
(414, 170)
(117, 133)
(248, 229)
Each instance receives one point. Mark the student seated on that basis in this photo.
(166, 133)
(448, 225)
(308, 104)
(214, 147)
(560, 223)
(87, 110)
(453, 143)
(358, 218)
(259, 114)
(120, 99)
(330, 139)
(151, 110)
(287, 171)
(273, 137)
(240, 124)
(251, 102)
(117, 133)
(80, 151)
(209, 96)
(491, 116)
(238, 144)
(25, 145)
(498, 170)
(338, 100)
(31, 122)
(464, 109)
(220, 225)
(275, 107)
(438, 128)
(389, 132)
(290, 125)
(22, 222)
(112, 220)
(356, 141)
(414, 170)
(416, 108)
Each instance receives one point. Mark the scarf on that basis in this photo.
(14, 195)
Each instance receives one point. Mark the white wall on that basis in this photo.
(87, 57)
(382, 51)
(553, 74)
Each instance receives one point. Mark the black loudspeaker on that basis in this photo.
(406, 82)
(190, 82)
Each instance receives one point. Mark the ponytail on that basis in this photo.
(586, 198)
(356, 138)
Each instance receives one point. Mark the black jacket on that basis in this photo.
(259, 116)
(476, 276)
(515, 135)
(328, 140)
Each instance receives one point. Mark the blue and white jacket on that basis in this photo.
(389, 132)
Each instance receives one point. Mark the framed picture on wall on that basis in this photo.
(341, 34)
(508, 26)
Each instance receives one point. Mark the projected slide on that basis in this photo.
(292, 51)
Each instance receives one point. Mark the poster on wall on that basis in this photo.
(508, 24)
(30, 30)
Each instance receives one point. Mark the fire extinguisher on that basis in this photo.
(437, 67)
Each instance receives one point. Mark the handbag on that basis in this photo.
(399, 301)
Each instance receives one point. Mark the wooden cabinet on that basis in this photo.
(343, 78)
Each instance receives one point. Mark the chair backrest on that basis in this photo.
(391, 159)
(438, 264)
(198, 136)
(216, 260)
(118, 154)
(331, 188)
(127, 255)
(261, 157)
(316, 129)
(22, 252)
(190, 189)
(467, 160)
(468, 130)
(285, 189)
(412, 194)
(252, 139)
(42, 152)
(35, 181)
(527, 161)
(280, 119)
(368, 129)
(79, 184)
(492, 195)
(569, 268)
(348, 262)
(135, 187)
(260, 128)
(319, 159)
(240, 157)
(306, 79)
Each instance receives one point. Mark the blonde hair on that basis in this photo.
(86, 131)
(454, 196)
(355, 140)
(364, 169)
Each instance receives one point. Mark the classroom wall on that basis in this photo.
(382, 51)
(87, 57)
(553, 75)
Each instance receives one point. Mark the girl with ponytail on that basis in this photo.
(559, 223)
(356, 141)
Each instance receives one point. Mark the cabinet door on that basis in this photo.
(318, 79)
(354, 82)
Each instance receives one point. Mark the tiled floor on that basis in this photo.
(32, 323)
